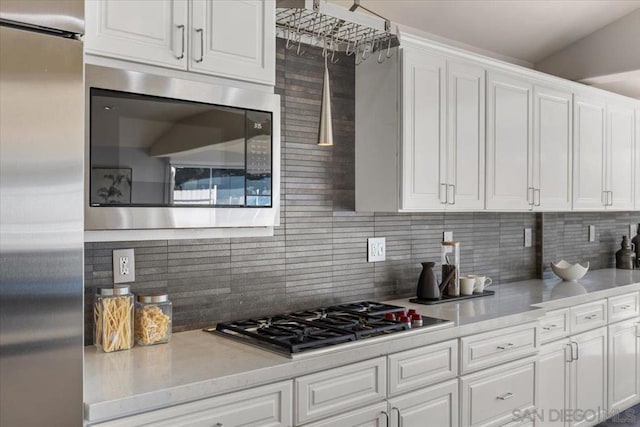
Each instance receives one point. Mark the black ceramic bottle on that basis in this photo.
(626, 257)
(428, 283)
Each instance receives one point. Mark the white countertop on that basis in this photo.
(196, 364)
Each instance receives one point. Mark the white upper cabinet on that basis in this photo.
(588, 154)
(509, 142)
(465, 136)
(620, 160)
(152, 32)
(423, 149)
(552, 144)
(234, 39)
(226, 38)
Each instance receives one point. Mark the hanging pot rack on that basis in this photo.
(335, 29)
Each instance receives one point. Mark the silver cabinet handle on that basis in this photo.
(570, 352)
(536, 191)
(218, 425)
(506, 396)
(591, 317)
(530, 196)
(577, 353)
(446, 194)
(550, 327)
(399, 418)
(638, 330)
(181, 28)
(201, 31)
(504, 347)
(604, 198)
(625, 307)
(453, 194)
(611, 202)
(386, 416)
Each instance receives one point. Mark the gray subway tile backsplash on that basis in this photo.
(318, 254)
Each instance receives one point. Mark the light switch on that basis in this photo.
(447, 236)
(124, 266)
(376, 249)
(592, 233)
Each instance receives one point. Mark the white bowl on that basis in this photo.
(569, 272)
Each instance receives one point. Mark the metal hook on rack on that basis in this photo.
(334, 46)
(389, 53)
(299, 50)
(352, 50)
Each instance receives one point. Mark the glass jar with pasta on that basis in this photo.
(153, 319)
(113, 319)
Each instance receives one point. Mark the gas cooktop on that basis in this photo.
(303, 331)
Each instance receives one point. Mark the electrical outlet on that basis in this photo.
(527, 238)
(377, 250)
(633, 230)
(124, 266)
(447, 236)
(592, 233)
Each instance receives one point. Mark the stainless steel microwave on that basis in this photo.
(164, 152)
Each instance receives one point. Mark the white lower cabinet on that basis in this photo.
(555, 383)
(589, 379)
(438, 404)
(267, 406)
(573, 380)
(624, 364)
(499, 396)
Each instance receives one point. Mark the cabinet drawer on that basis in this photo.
(554, 325)
(495, 347)
(489, 398)
(268, 406)
(337, 390)
(588, 316)
(623, 307)
(417, 368)
(371, 416)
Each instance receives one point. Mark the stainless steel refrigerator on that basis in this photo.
(41, 212)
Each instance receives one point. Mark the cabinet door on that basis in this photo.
(589, 377)
(554, 383)
(152, 32)
(552, 142)
(624, 364)
(588, 153)
(509, 148)
(234, 39)
(465, 136)
(620, 157)
(438, 405)
(423, 156)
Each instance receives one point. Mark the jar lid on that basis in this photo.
(153, 298)
(115, 290)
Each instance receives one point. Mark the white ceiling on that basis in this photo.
(525, 30)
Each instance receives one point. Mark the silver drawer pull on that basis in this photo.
(550, 327)
(505, 396)
(504, 347)
(625, 307)
(591, 317)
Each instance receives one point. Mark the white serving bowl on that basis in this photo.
(569, 272)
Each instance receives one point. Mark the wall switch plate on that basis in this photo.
(377, 250)
(633, 230)
(124, 266)
(592, 233)
(447, 236)
(528, 239)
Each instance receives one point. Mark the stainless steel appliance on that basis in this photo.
(316, 330)
(41, 216)
(165, 152)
